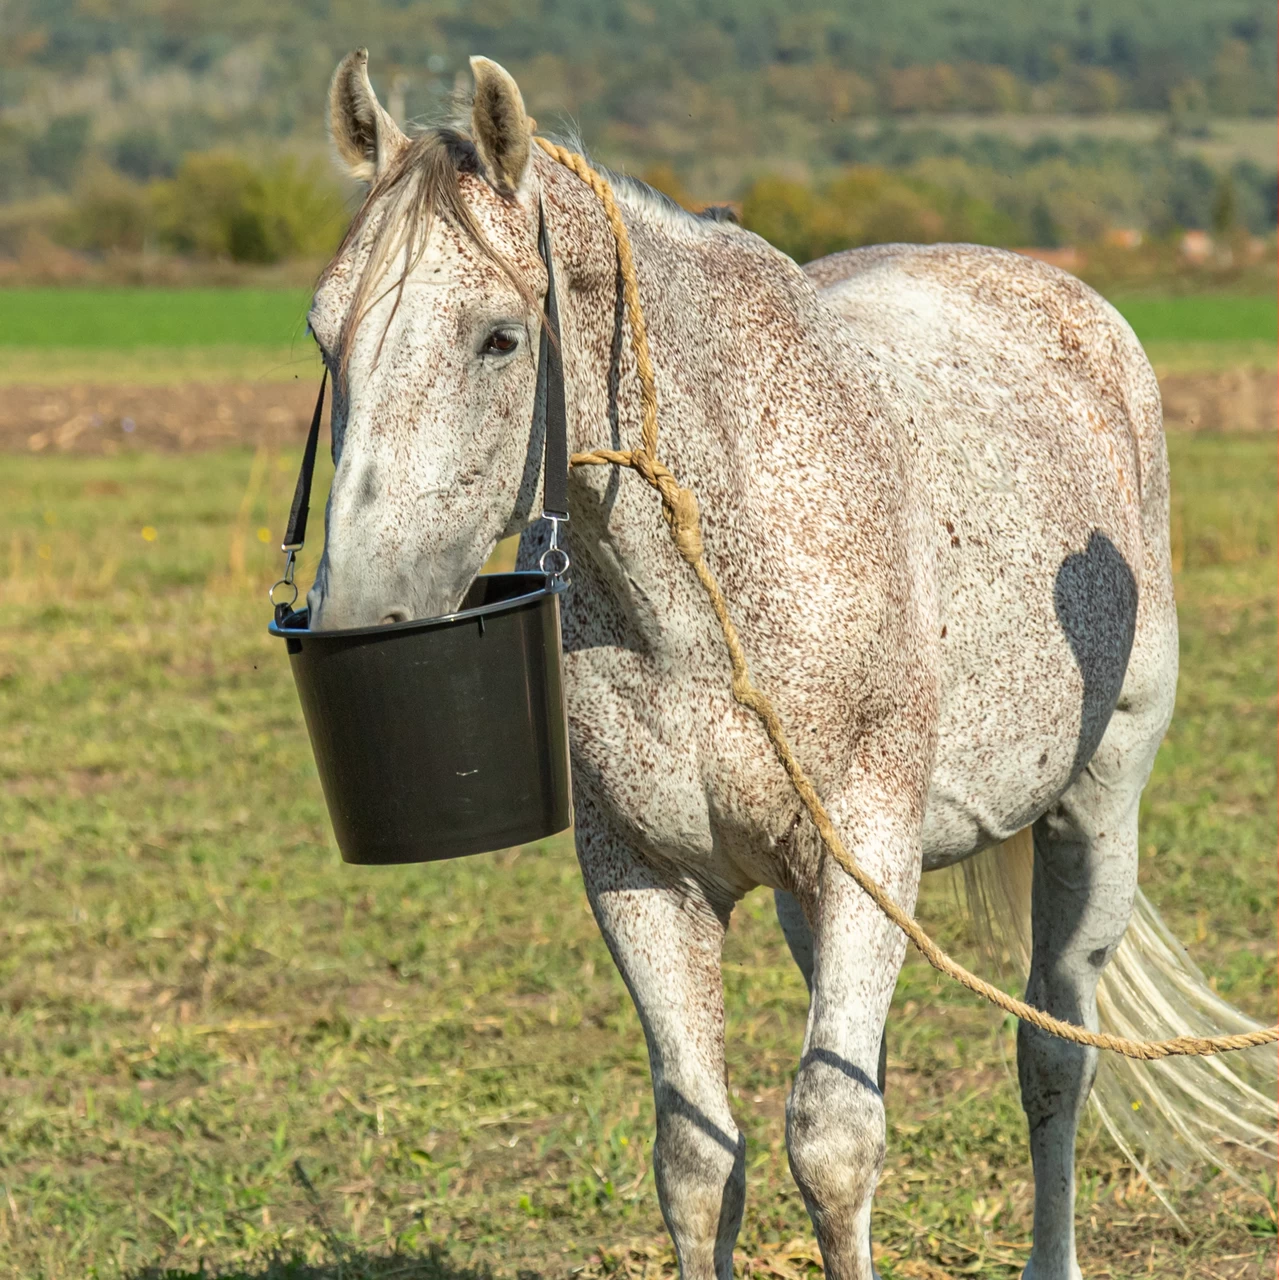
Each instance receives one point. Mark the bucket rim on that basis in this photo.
(547, 585)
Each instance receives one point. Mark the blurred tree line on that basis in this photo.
(198, 128)
(922, 185)
(913, 55)
(912, 185)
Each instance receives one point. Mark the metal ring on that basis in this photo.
(287, 604)
(563, 562)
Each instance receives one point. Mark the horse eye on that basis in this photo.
(499, 343)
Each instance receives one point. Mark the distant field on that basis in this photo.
(154, 336)
(124, 319)
(159, 336)
(1206, 318)
(128, 319)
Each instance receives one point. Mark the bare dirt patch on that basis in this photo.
(89, 418)
(1233, 400)
(100, 418)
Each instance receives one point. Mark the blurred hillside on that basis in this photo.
(186, 130)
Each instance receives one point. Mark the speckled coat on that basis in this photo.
(934, 491)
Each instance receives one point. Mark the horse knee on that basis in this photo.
(836, 1145)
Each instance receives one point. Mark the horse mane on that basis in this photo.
(422, 184)
(640, 196)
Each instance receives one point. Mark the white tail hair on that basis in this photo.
(1173, 1114)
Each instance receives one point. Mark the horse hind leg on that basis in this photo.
(1083, 886)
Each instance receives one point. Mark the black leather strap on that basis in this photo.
(295, 533)
(548, 401)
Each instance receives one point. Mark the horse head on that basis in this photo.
(428, 321)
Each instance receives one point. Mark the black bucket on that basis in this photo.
(442, 737)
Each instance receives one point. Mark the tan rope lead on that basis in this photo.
(630, 290)
(680, 508)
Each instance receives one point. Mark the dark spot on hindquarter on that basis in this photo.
(368, 489)
(1098, 958)
(1044, 759)
(1095, 597)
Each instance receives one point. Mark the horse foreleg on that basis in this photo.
(795, 928)
(666, 935)
(835, 1117)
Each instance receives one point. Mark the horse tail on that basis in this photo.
(1170, 1115)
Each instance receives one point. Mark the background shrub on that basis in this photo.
(869, 205)
(218, 205)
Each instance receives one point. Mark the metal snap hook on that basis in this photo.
(286, 581)
(554, 561)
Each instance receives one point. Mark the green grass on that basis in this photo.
(1208, 357)
(125, 319)
(164, 336)
(1203, 318)
(197, 999)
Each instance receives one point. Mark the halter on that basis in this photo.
(550, 421)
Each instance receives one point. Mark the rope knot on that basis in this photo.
(686, 523)
(680, 506)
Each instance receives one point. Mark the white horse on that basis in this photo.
(934, 489)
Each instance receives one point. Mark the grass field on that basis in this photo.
(1207, 318)
(170, 335)
(126, 319)
(222, 1050)
(154, 336)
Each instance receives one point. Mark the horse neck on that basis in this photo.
(704, 291)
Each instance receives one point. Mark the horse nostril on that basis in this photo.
(394, 615)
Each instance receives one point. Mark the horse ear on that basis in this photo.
(503, 134)
(367, 139)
